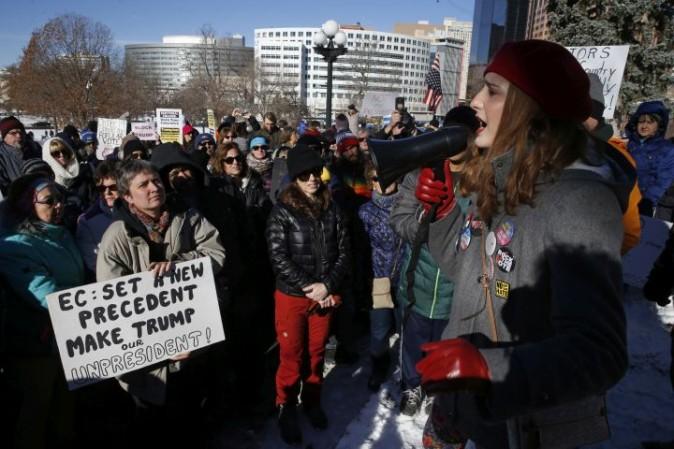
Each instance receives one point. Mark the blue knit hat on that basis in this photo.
(201, 138)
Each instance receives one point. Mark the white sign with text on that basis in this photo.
(114, 327)
(608, 63)
(110, 133)
(143, 130)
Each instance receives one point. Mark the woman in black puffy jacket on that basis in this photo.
(309, 248)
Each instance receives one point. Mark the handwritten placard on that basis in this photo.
(110, 133)
(114, 327)
(608, 63)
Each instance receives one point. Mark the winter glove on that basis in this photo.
(656, 292)
(452, 365)
(646, 207)
(430, 192)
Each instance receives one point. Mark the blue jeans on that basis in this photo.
(381, 327)
(417, 330)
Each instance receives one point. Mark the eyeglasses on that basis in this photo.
(304, 177)
(59, 153)
(137, 155)
(260, 147)
(103, 189)
(50, 201)
(210, 144)
(230, 160)
(375, 179)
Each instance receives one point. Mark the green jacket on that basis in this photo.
(433, 292)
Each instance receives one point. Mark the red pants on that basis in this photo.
(296, 330)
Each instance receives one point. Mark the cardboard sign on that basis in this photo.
(143, 130)
(110, 133)
(114, 327)
(608, 63)
(170, 125)
(378, 104)
(211, 121)
(637, 263)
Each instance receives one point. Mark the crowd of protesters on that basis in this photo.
(306, 243)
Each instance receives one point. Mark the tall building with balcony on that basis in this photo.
(171, 63)
(375, 61)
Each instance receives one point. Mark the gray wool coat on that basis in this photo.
(556, 288)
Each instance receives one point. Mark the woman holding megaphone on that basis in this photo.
(536, 334)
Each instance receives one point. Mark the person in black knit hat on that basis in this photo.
(309, 251)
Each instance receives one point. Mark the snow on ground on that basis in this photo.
(641, 406)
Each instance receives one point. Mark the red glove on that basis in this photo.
(430, 192)
(452, 365)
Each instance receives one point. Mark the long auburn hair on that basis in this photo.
(540, 144)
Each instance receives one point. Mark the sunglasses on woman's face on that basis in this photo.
(230, 160)
(375, 179)
(51, 201)
(58, 153)
(304, 177)
(111, 187)
(260, 147)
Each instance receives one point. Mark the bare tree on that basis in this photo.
(67, 72)
(277, 90)
(220, 73)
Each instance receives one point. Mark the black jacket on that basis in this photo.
(304, 250)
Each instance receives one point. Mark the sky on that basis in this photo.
(145, 21)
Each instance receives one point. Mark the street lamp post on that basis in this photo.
(329, 42)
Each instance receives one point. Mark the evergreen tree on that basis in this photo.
(647, 26)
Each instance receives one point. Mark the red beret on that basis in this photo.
(549, 74)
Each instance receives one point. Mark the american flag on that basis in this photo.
(434, 93)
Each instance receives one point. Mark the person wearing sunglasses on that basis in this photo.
(259, 160)
(93, 223)
(11, 154)
(309, 251)
(38, 256)
(74, 178)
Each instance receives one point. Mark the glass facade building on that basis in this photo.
(495, 22)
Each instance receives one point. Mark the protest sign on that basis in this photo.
(110, 133)
(211, 121)
(114, 327)
(637, 263)
(170, 125)
(608, 63)
(378, 104)
(143, 130)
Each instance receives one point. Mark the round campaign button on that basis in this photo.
(490, 243)
(505, 261)
(505, 233)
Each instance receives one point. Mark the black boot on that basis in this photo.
(380, 366)
(316, 417)
(287, 421)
